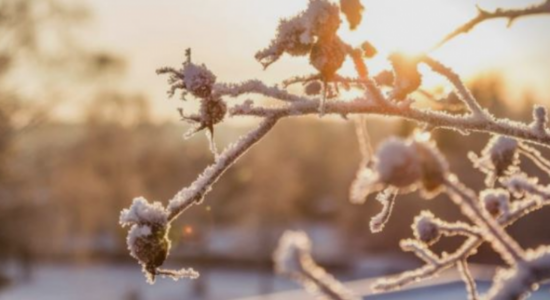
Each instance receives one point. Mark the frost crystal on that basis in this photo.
(404, 165)
(198, 80)
(148, 236)
(500, 157)
(142, 212)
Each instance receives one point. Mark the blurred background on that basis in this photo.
(86, 126)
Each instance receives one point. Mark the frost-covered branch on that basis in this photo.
(484, 15)
(293, 259)
(255, 87)
(202, 185)
(371, 106)
(468, 279)
(398, 166)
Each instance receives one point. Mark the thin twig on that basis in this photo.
(483, 15)
(202, 185)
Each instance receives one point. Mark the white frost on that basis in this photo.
(143, 212)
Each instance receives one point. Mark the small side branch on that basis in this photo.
(468, 280)
(468, 247)
(435, 119)
(483, 15)
(202, 185)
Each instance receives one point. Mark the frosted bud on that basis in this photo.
(297, 35)
(519, 184)
(426, 229)
(147, 238)
(503, 153)
(500, 157)
(198, 80)
(192, 78)
(313, 88)
(496, 201)
(212, 112)
(150, 246)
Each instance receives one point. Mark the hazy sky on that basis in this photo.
(225, 34)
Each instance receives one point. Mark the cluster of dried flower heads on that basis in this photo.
(397, 166)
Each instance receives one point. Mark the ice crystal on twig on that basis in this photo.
(500, 157)
(387, 199)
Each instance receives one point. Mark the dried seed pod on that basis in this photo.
(149, 244)
(499, 158)
(496, 201)
(212, 112)
(503, 154)
(198, 80)
(313, 88)
(328, 56)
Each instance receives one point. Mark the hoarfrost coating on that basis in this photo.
(400, 165)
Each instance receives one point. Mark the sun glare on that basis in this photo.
(409, 26)
(414, 27)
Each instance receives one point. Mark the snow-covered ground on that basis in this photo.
(126, 282)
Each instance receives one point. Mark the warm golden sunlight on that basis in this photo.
(146, 36)
(274, 149)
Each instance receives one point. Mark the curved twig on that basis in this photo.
(483, 15)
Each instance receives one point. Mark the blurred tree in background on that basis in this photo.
(63, 184)
(40, 61)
